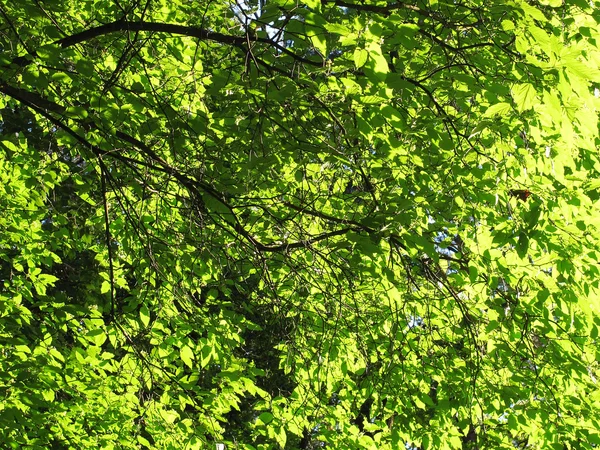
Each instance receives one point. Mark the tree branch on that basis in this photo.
(195, 32)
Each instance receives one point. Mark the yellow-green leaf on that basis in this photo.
(187, 356)
(497, 110)
(145, 315)
(360, 57)
(524, 96)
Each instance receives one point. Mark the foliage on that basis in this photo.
(300, 225)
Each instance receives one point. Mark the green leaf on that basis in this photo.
(144, 315)
(265, 418)
(313, 4)
(532, 11)
(508, 25)
(205, 355)
(499, 109)
(541, 38)
(76, 111)
(105, 288)
(98, 336)
(360, 57)
(552, 3)
(525, 96)
(584, 70)
(376, 61)
(187, 356)
(281, 437)
(169, 416)
(533, 216)
(338, 29)
(522, 244)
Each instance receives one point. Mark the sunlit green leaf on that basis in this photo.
(498, 109)
(187, 356)
(144, 315)
(360, 57)
(524, 96)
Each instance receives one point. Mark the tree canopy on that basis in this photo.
(299, 224)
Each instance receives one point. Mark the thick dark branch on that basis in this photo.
(124, 25)
(111, 272)
(182, 30)
(445, 45)
(356, 226)
(446, 67)
(329, 218)
(304, 243)
(31, 98)
(45, 107)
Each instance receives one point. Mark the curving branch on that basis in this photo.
(45, 108)
(182, 30)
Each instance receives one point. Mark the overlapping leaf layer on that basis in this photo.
(327, 224)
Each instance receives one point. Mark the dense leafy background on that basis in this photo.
(299, 225)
